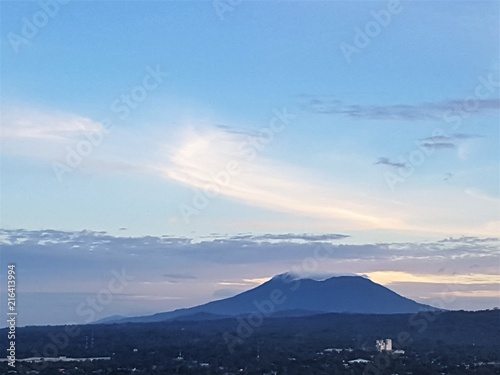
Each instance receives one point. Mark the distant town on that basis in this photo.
(454, 343)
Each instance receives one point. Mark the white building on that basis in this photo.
(388, 344)
(384, 345)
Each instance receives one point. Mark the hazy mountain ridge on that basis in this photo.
(284, 294)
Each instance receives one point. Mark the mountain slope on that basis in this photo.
(283, 293)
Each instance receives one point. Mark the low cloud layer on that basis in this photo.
(174, 272)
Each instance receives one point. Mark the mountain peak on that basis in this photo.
(292, 275)
(308, 293)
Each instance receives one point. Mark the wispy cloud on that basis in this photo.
(465, 136)
(290, 237)
(53, 136)
(439, 145)
(262, 182)
(181, 276)
(386, 161)
(435, 143)
(389, 277)
(447, 142)
(43, 134)
(54, 126)
(200, 156)
(448, 176)
(451, 137)
(239, 131)
(407, 112)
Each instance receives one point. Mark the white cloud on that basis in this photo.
(200, 156)
(49, 126)
(42, 134)
(237, 165)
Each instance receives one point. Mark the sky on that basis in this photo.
(201, 147)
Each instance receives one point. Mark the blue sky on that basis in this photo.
(209, 119)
